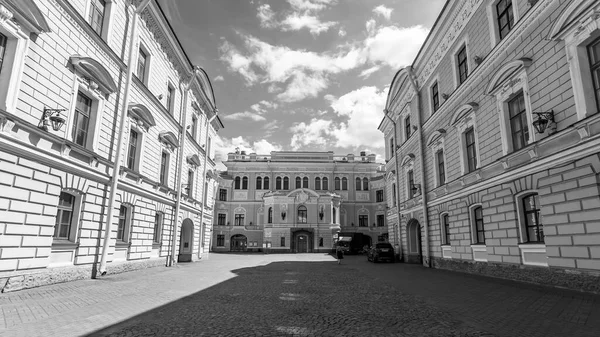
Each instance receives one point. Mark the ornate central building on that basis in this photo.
(297, 201)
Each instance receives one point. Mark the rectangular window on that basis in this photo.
(479, 228)
(64, 216)
(283, 241)
(411, 184)
(518, 122)
(132, 153)
(221, 220)
(170, 97)
(407, 128)
(222, 194)
(380, 220)
(122, 223)
(2, 49)
(505, 17)
(208, 146)
(141, 66)
(446, 234)
(81, 122)
(441, 168)
(463, 68)
(435, 97)
(363, 220)
(205, 193)
(97, 10)
(164, 165)
(392, 150)
(194, 126)
(320, 242)
(239, 219)
(379, 196)
(533, 225)
(190, 186)
(594, 56)
(471, 151)
(157, 225)
(220, 240)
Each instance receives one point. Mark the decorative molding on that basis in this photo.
(6, 124)
(65, 149)
(583, 132)
(141, 114)
(94, 72)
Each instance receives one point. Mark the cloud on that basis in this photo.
(303, 85)
(224, 146)
(266, 16)
(394, 46)
(341, 32)
(311, 5)
(315, 132)
(237, 62)
(245, 115)
(297, 21)
(383, 11)
(367, 72)
(218, 79)
(302, 15)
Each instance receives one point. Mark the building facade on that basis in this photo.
(106, 128)
(492, 136)
(297, 201)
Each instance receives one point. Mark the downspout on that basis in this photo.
(179, 168)
(411, 77)
(117, 165)
(385, 112)
(208, 121)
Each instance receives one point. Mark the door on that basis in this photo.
(302, 244)
(413, 230)
(186, 241)
(238, 243)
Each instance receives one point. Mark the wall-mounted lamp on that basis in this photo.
(414, 127)
(543, 120)
(282, 215)
(160, 96)
(477, 60)
(445, 96)
(51, 116)
(416, 189)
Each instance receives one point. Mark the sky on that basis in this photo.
(301, 75)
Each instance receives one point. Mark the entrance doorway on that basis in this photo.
(239, 243)
(186, 241)
(302, 244)
(302, 241)
(413, 232)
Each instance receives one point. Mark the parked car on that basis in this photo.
(381, 251)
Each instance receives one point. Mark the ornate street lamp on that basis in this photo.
(51, 116)
(543, 120)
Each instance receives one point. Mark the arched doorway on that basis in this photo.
(186, 241)
(302, 241)
(413, 233)
(239, 243)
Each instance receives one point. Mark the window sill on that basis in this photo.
(58, 244)
(534, 254)
(447, 251)
(479, 251)
(122, 244)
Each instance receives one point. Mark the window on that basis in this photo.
(245, 183)
(278, 183)
(358, 184)
(394, 195)
(302, 214)
(463, 68)
(3, 40)
(222, 194)
(446, 229)
(325, 184)
(365, 184)
(298, 182)
(238, 183)
(435, 97)
(141, 66)
(270, 216)
(320, 242)
(441, 168)
(258, 183)
(170, 98)
(164, 168)
(336, 183)
(518, 122)
(380, 220)
(470, 150)
(305, 182)
(363, 220)
(81, 122)
(411, 184)
(205, 192)
(334, 220)
(531, 214)
(317, 183)
(505, 17)
(379, 196)
(407, 128)
(220, 240)
(286, 183)
(64, 216)
(239, 219)
(392, 150)
(133, 150)
(344, 184)
(194, 130)
(222, 219)
(123, 224)
(158, 220)
(594, 55)
(478, 227)
(97, 15)
(190, 186)
(282, 243)
(266, 183)
(208, 146)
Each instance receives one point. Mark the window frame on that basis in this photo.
(222, 216)
(278, 183)
(270, 215)
(365, 184)
(239, 219)
(475, 222)
(220, 240)
(158, 227)
(127, 221)
(473, 146)
(222, 194)
(358, 184)
(462, 63)
(325, 184)
(379, 196)
(435, 96)
(302, 214)
(523, 219)
(317, 183)
(445, 235)
(136, 156)
(190, 184)
(107, 20)
(76, 216)
(163, 174)
(407, 128)
(363, 220)
(282, 241)
(524, 134)
(380, 220)
(98, 101)
(440, 164)
(13, 63)
(410, 182)
(170, 98)
(259, 184)
(286, 183)
(344, 184)
(298, 182)
(492, 16)
(337, 183)
(146, 69)
(237, 183)
(245, 183)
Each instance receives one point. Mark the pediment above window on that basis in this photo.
(94, 71)
(168, 138)
(436, 137)
(464, 113)
(575, 18)
(408, 159)
(140, 113)
(26, 13)
(193, 160)
(506, 75)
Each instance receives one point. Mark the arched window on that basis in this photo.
(325, 184)
(317, 183)
(344, 184)
(270, 216)
(336, 182)
(365, 184)
(298, 182)
(358, 184)
(278, 183)
(286, 183)
(266, 183)
(305, 182)
(334, 220)
(245, 183)
(302, 214)
(258, 183)
(238, 181)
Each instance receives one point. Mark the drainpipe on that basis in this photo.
(208, 121)
(385, 112)
(411, 77)
(115, 176)
(183, 118)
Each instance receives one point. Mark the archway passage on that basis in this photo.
(239, 243)
(413, 231)
(186, 241)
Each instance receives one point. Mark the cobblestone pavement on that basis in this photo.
(297, 295)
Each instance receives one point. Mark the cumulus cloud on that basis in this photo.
(342, 32)
(245, 115)
(297, 21)
(224, 146)
(302, 15)
(394, 46)
(218, 79)
(311, 5)
(315, 132)
(237, 62)
(367, 72)
(383, 11)
(266, 16)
